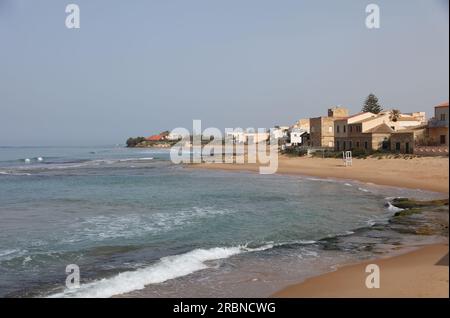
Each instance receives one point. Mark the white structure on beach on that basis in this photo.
(246, 137)
(297, 135)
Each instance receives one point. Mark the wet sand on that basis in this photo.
(421, 273)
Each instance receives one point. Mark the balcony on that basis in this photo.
(434, 123)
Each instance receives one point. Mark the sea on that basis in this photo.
(137, 225)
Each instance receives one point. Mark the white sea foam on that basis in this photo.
(11, 173)
(392, 208)
(166, 268)
(9, 254)
(363, 190)
(103, 227)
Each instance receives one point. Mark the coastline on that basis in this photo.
(419, 273)
(425, 173)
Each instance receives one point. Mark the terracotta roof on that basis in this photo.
(381, 129)
(444, 104)
(154, 138)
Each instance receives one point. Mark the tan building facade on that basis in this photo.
(372, 132)
(322, 128)
(405, 141)
(438, 126)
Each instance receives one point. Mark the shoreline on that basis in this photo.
(408, 274)
(424, 173)
(422, 272)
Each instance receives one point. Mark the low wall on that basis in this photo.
(431, 150)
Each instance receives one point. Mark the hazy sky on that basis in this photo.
(139, 67)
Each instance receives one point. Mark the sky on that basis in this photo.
(135, 68)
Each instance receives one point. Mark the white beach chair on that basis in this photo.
(347, 157)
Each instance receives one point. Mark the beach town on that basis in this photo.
(373, 130)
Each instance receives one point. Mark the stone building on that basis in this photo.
(322, 128)
(438, 126)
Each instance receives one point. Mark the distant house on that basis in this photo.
(241, 137)
(404, 141)
(298, 136)
(322, 128)
(279, 132)
(438, 125)
(303, 124)
(155, 138)
(173, 136)
(367, 131)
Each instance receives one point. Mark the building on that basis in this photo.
(174, 136)
(246, 137)
(303, 124)
(322, 128)
(367, 131)
(438, 126)
(279, 132)
(405, 141)
(298, 136)
(155, 138)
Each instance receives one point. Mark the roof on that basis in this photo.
(154, 138)
(411, 129)
(407, 118)
(366, 119)
(381, 129)
(444, 104)
(361, 113)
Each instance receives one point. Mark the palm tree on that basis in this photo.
(394, 115)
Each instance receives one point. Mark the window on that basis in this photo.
(350, 144)
(344, 128)
(397, 146)
(344, 145)
(330, 129)
(443, 117)
(313, 129)
(443, 139)
(351, 128)
(366, 145)
(337, 128)
(357, 144)
(337, 144)
(330, 144)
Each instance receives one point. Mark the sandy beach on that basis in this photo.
(426, 173)
(421, 273)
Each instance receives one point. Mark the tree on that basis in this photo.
(371, 105)
(132, 142)
(394, 115)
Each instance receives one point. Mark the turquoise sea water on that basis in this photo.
(129, 218)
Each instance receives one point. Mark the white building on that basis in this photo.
(245, 137)
(297, 136)
(279, 132)
(174, 136)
